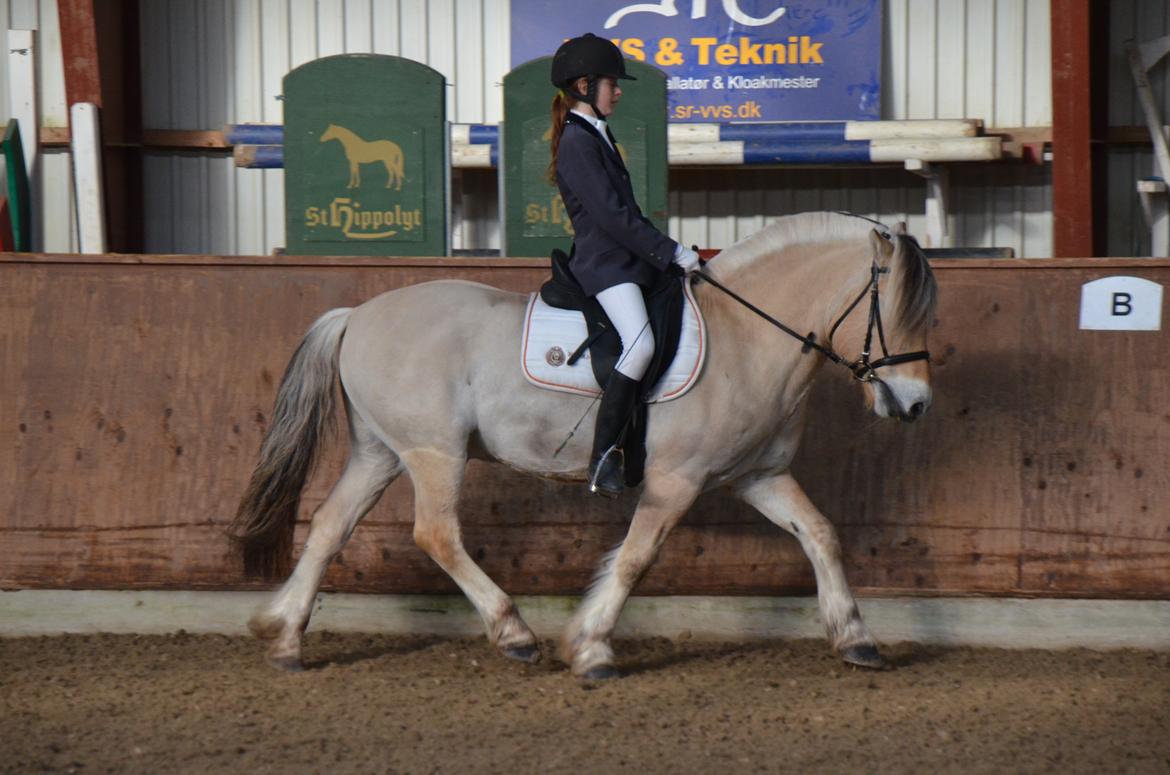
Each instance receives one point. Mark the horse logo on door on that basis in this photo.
(359, 152)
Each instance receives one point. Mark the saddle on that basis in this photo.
(664, 306)
(666, 303)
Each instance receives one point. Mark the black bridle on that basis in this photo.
(862, 368)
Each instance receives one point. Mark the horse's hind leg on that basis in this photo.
(586, 642)
(782, 501)
(437, 478)
(371, 468)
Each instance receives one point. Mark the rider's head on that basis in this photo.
(582, 65)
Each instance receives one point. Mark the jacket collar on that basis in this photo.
(584, 123)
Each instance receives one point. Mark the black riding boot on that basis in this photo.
(605, 464)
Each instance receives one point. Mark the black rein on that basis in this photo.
(863, 368)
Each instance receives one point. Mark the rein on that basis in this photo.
(863, 369)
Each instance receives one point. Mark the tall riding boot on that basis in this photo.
(605, 464)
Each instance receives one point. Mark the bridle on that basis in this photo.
(863, 369)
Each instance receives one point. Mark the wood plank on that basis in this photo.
(136, 390)
(87, 176)
(22, 97)
(79, 38)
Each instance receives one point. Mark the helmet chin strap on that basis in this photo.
(589, 97)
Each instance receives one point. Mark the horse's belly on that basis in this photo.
(438, 364)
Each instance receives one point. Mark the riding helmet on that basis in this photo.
(587, 55)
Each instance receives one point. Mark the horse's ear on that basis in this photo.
(900, 228)
(880, 245)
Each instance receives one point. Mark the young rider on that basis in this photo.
(616, 250)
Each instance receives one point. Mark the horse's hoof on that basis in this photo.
(864, 656)
(287, 664)
(529, 653)
(265, 627)
(601, 673)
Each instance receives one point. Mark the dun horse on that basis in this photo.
(738, 428)
(359, 152)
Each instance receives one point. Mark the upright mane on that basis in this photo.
(912, 291)
(798, 229)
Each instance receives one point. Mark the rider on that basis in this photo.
(617, 251)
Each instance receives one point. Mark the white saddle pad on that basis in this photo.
(551, 335)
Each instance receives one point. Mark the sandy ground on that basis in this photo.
(185, 703)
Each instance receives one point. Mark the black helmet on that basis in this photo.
(587, 55)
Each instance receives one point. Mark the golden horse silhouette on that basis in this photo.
(359, 152)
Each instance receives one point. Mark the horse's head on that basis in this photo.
(884, 333)
(330, 133)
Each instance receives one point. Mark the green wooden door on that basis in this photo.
(534, 216)
(365, 164)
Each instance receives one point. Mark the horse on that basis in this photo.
(738, 428)
(359, 152)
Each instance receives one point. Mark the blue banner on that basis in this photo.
(731, 60)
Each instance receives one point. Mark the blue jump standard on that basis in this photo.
(788, 132)
(483, 133)
(254, 134)
(771, 151)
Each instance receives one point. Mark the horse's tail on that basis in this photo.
(302, 417)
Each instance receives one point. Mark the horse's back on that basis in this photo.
(422, 351)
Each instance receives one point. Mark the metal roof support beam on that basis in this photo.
(1080, 35)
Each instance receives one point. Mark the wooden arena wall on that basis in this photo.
(134, 392)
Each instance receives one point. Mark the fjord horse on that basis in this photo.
(739, 426)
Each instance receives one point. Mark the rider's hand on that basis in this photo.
(686, 258)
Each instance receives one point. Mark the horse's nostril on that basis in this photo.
(917, 409)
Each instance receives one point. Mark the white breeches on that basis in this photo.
(627, 311)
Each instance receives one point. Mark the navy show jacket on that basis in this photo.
(613, 242)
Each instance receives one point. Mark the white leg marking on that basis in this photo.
(586, 642)
(437, 479)
(782, 501)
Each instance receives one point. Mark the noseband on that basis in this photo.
(863, 369)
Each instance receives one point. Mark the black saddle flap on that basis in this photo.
(664, 305)
(562, 291)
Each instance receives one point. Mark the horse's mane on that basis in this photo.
(913, 290)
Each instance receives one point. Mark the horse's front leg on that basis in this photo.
(586, 642)
(355, 175)
(782, 500)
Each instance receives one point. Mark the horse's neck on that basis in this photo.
(344, 135)
(804, 288)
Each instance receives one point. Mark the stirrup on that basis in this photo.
(606, 471)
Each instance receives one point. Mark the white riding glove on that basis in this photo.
(686, 258)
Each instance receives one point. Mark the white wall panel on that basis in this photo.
(985, 59)
(58, 215)
(211, 62)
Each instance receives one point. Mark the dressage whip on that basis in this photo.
(596, 398)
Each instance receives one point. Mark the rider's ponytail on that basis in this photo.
(560, 109)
